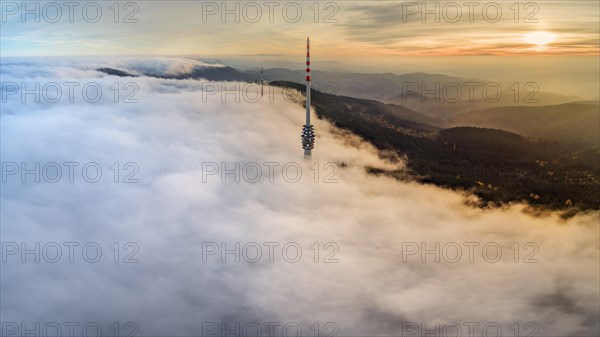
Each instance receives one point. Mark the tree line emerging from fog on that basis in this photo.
(499, 167)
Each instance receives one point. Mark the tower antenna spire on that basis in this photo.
(262, 82)
(308, 131)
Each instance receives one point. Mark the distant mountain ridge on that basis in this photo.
(380, 87)
(411, 89)
(209, 73)
(577, 123)
(405, 90)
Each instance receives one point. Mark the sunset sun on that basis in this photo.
(539, 38)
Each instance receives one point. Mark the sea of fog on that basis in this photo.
(171, 208)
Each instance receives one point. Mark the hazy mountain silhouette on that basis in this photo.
(434, 105)
(418, 91)
(209, 73)
(444, 109)
(573, 122)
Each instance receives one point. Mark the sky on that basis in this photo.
(340, 29)
(170, 207)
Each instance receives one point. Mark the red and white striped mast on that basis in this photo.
(308, 132)
(308, 81)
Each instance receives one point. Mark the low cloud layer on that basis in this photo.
(172, 140)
